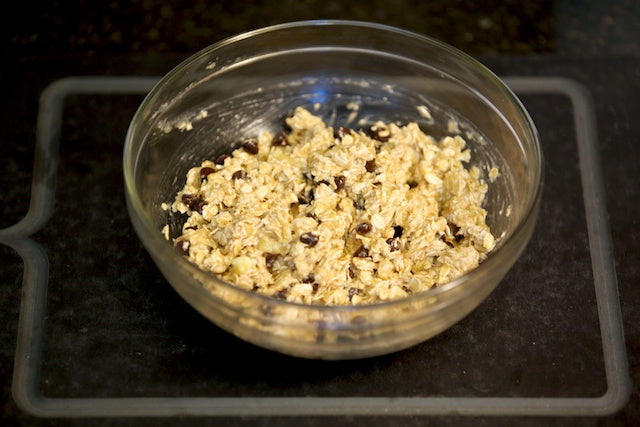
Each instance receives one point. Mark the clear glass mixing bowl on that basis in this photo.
(249, 83)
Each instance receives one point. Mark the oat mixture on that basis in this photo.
(336, 216)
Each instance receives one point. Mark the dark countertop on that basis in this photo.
(593, 43)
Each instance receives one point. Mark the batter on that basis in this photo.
(317, 215)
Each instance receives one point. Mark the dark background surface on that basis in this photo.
(595, 43)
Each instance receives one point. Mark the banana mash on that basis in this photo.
(328, 216)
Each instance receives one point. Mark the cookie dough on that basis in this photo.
(340, 216)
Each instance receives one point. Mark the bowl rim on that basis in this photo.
(155, 242)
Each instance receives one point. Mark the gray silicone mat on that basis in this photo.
(27, 389)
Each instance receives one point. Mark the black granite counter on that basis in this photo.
(114, 328)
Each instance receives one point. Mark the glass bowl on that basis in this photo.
(249, 83)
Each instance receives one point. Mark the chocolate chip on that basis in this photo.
(183, 246)
(280, 140)
(309, 279)
(370, 165)
(397, 231)
(305, 197)
(221, 158)
(250, 145)
(199, 205)
(240, 174)
(364, 227)
(269, 260)
(458, 238)
(339, 180)
(204, 172)
(412, 184)
(362, 252)
(352, 271)
(193, 202)
(380, 133)
(314, 288)
(394, 244)
(341, 132)
(189, 199)
(352, 292)
(309, 239)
